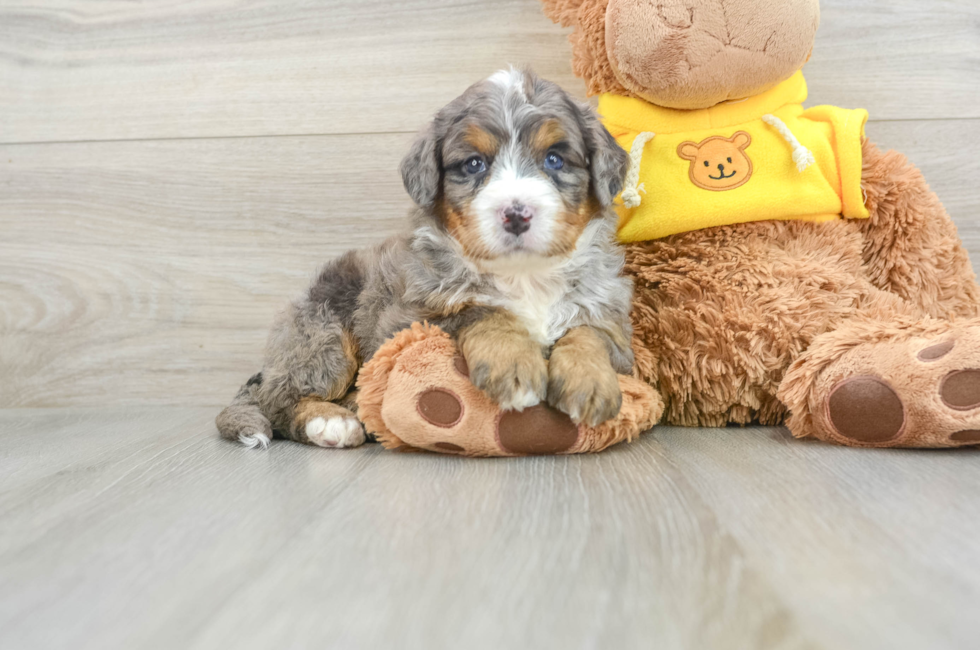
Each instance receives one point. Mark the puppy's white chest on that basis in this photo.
(537, 302)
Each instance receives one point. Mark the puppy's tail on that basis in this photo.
(243, 420)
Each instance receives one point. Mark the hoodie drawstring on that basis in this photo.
(802, 156)
(631, 194)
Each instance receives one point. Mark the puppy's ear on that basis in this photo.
(608, 161)
(421, 168)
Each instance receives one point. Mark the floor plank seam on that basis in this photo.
(338, 134)
(27, 143)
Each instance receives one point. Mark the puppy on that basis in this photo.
(511, 252)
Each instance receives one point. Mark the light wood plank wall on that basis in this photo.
(172, 172)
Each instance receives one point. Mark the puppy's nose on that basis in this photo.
(517, 218)
(721, 168)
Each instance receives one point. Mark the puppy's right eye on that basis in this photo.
(475, 165)
(707, 164)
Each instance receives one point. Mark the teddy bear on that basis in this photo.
(786, 270)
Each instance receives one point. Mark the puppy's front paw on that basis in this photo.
(584, 388)
(512, 373)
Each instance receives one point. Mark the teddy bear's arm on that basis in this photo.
(911, 246)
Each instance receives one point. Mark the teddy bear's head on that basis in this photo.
(687, 53)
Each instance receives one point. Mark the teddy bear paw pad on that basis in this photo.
(440, 407)
(970, 435)
(536, 430)
(936, 352)
(960, 390)
(907, 390)
(449, 447)
(866, 409)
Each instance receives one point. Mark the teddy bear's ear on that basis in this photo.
(688, 150)
(741, 139)
(563, 12)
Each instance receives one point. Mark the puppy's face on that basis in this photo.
(514, 167)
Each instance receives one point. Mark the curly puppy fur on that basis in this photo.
(581, 383)
(512, 246)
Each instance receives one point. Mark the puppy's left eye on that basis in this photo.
(554, 161)
(475, 165)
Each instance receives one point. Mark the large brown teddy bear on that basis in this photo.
(858, 329)
(786, 269)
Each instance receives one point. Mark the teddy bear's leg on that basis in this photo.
(901, 382)
(416, 394)
(911, 247)
(719, 314)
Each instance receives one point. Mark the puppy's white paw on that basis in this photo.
(337, 432)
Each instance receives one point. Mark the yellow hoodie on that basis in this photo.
(755, 159)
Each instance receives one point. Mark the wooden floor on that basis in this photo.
(172, 171)
(137, 528)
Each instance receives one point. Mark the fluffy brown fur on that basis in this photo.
(720, 315)
(910, 246)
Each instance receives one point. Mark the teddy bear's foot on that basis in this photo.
(895, 385)
(415, 394)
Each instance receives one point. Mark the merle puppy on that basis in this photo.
(512, 252)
